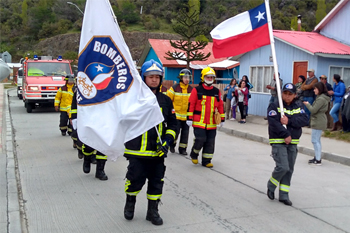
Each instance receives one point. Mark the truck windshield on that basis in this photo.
(48, 69)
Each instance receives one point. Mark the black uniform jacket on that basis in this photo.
(297, 118)
(145, 145)
(73, 108)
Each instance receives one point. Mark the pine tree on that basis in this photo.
(189, 27)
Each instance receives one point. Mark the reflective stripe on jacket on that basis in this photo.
(202, 104)
(64, 97)
(179, 94)
(145, 145)
(297, 118)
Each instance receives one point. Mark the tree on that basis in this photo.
(24, 14)
(189, 27)
(321, 11)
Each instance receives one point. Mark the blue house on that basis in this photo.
(156, 48)
(326, 49)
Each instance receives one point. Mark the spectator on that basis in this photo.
(301, 80)
(234, 105)
(338, 93)
(345, 111)
(230, 88)
(307, 87)
(242, 93)
(250, 86)
(273, 89)
(318, 120)
(323, 79)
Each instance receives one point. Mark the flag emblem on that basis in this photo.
(272, 113)
(103, 71)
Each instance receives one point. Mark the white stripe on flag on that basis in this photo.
(238, 25)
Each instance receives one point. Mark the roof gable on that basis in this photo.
(160, 47)
(313, 43)
(330, 15)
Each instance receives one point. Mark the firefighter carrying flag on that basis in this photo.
(114, 104)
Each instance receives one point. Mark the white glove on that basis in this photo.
(189, 123)
(74, 124)
(221, 124)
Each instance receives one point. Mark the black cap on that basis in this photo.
(289, 87)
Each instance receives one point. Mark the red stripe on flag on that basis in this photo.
(104, 84)
(241, 43)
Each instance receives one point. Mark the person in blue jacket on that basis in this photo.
(338, 93)
(230, 88)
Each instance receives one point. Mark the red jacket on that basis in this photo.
(202, 104)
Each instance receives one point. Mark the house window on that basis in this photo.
(260, 76)
(344, 73)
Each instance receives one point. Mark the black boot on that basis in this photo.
(87, 164)
(100, 166)
(129, 207)
(172, 148)
(93, 159)
(152, 213)
(182, 151)
(80, 154)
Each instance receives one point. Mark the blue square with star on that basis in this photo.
(258, 16)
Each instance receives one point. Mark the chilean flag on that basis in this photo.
(242, 33)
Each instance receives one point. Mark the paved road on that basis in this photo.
(59, 197)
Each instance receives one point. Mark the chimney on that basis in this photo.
(299, 22)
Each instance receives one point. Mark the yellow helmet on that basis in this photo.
(207, 72)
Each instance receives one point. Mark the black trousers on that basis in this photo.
(74, 136)
(203, 139)
(88, 151)
(184, 129)
(78, 142)
(65, 123)
(242, 110)
(139, 170)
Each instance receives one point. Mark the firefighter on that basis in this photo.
(89, 154)
(163, 89)
(179, 94)
(146, 152)
(63, 101)
(284, 141)
(72, 111)
(204, 100)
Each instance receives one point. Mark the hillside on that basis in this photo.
(62, 44)
(53, 26)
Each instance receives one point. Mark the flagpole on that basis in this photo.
(160, 139)
(273, 51)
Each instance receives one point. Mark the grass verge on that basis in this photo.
(338, 135)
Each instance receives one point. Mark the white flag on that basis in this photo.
(114, 104)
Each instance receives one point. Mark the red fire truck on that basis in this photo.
(43, 76)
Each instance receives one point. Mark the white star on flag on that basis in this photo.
(99, 68)
(260, 16)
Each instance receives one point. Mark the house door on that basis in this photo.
(300, 68)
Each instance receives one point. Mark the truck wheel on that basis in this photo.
(29, 107)
(20, 96)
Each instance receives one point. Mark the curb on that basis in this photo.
(302, 149)
(13, 181)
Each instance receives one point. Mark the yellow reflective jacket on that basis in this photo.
(179, 94)
(64, 97)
